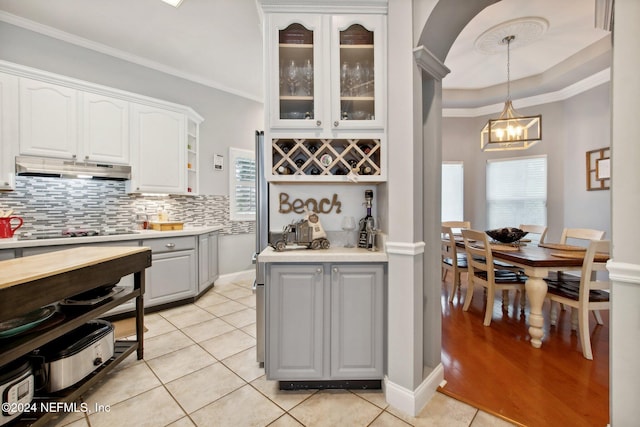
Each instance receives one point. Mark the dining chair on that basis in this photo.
(589, 294)
(456, 226)
(540, 230)
(452, 260)
(482, 272)
(580, 234)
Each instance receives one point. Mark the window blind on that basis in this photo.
(452, 191)
(242, 184)
(516, 192)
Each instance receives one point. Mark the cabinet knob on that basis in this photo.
(335, 269)
(336, 123)
(319, 270)
(86, 157)
(170, 245)
(318, 123)
(73, 156)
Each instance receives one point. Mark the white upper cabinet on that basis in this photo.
(48, 119)
(326, 72)
(8, 129)
(357, 72)
(158, 157)
(105, 128)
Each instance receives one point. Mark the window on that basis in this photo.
(242, 185)
(452, 191)
(517, 192)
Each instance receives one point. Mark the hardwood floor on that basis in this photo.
(496, 369)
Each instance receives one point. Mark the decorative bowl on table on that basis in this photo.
(506, 234)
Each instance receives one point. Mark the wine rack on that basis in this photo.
(326, 157)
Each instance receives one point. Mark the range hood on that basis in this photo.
(44, 166)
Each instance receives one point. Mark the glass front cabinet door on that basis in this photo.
(295, 78)
(357, 72)
(326, 72)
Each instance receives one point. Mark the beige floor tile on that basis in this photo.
(154, 408)
(286, 399)
(225, 308)
(483, 419)
(180, 363)
(335, 408)
(211, 298)
(244, 283)
(205, 386)
(228, 344)
(241, 318)
(245, 365)
(440, 411)
(387, 420)
(156, 325)
(285, 421)
(374, 396)
(249, 301)
(233, 291)
(122, 384)
(182, 422)
(244, 407)
(74, 419)
(250, 329)
(165, 344)
(206, 330)
(187, 318)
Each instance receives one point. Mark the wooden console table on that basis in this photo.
(29, 283)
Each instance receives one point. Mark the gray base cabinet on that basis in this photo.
(207, 260)
(325, 321)
(173, 274)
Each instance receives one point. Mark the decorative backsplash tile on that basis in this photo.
(53, 204)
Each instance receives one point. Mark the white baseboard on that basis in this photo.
(238, 276)
(411, 402)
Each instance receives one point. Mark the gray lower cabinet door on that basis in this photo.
(295, 312)
(357, 321)
(171, 277)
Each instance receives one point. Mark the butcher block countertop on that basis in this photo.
(28, 269)
(302, 254)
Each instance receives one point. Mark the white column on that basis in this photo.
(624, 267)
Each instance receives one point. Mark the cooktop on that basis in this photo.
(38, 235)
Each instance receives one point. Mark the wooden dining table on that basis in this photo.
(536, 262)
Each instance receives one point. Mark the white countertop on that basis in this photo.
(302, 254)
(13, 242)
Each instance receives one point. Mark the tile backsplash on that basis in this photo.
(53, 204)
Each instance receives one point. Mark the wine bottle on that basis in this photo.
(284, 170)
(299, 163)
(367, 223)
(365, 170)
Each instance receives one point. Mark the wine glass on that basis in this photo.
(307, 73)
(344, 78)
(357, 78)
(348, 225)
(292, 76)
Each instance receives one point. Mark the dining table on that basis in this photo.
(537, 261)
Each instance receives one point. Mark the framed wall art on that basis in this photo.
(598, 169)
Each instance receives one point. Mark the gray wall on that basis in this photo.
(569, 129)
(229, 120)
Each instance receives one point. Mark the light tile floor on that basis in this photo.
(199, 369)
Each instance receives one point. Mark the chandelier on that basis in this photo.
(510, 131)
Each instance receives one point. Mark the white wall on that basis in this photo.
(569, 129)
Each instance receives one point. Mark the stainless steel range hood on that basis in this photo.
(43, 166)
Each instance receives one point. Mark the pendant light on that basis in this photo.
(510, 131)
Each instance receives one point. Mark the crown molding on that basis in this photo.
(577, 88)
(326, 6)
(117, 53)
(430, 63)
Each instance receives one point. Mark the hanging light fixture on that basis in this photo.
(510, 131)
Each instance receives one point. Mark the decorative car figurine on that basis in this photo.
(306, 232)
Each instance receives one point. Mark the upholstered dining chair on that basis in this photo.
(452, 260)
(540, 230)
(584, 296)
(482, 272)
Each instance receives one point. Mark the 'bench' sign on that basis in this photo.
(298, 206)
